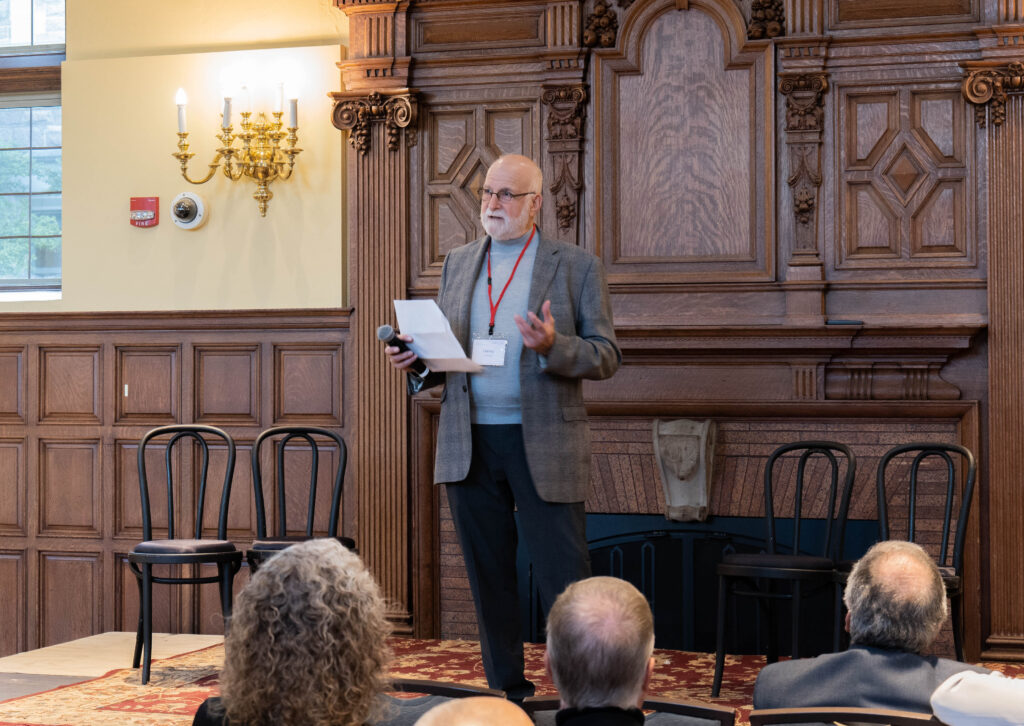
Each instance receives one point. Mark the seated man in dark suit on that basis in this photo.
(599, 645)
(897, 605)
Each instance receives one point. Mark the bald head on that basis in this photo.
(896, 598)
(600, 639)
(475, 711)
(520, 177)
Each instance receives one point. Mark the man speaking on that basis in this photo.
(535, 314)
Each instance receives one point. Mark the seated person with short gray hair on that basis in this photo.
(897, 604)
(599, 645)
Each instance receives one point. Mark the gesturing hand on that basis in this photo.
(538, 335)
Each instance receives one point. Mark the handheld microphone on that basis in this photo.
(387, 335)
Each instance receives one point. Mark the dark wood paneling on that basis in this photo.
(227, 387)
(69, 577)
(70, 385)
(147, 384)
(12, 493)
(906, 197)
(12, 384)
(69, 507)
(70, 488)
(300, 396)
(12, 602)
(856, 13)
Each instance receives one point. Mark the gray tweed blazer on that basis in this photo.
(555, 429)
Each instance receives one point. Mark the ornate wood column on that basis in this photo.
(803, 84)
(996, 90)
(379, 111)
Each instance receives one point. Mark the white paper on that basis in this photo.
(433, 339)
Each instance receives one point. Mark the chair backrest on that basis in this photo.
(921, 452)
(442, 688)
(288, 435)
(832, 715)
(198, 434)
(839, 489)
(722, 715)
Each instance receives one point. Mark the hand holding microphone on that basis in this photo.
(398, 352)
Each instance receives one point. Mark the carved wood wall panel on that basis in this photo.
(70, 385)
(857, 14)
(906, 195)
(13, 494)
(69, 577)
(679, 140)
(69, 506)
(12, 384)
(70, 488)
(12, 596)
(146, 384)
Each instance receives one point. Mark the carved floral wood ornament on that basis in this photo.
(567, 109)
(397, 112)
(766, 19)
(987, 89)
(602, 26)
(805, 113)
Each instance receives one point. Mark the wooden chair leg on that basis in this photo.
(147, 620)
(723, 605)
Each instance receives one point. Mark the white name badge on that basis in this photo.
(489, 351)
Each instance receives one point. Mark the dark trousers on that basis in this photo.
(555, 536)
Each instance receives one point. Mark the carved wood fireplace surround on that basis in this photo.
(810, 216)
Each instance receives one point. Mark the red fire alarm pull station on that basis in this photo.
(144, 211)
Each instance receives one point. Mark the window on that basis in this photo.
(30, 196)
(31, 49)
(31, 23)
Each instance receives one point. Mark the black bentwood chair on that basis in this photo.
(836, 715)
(296, 440)
(542, 710)
(754, 575)
(951, 564)
(190, 553)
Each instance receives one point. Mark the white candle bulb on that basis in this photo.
(246, 100)
(293, 113)
(181, 100)
(227, 112)
(279, 98)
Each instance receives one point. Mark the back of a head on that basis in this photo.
(475, 711)
(600, 635)
(307, 642)
(896, 598)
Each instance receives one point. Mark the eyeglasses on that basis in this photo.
(504, 196)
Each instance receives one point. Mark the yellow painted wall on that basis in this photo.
(119, 134)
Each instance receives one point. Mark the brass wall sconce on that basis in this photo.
(262, 157)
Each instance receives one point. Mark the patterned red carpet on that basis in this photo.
(178, 685)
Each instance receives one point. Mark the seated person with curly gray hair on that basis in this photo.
(897, 605)
(307, 644)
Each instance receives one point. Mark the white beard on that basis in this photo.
(498, 224)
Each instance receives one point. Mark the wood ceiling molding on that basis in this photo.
(987, 89)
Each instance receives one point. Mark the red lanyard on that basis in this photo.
(494, 305)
